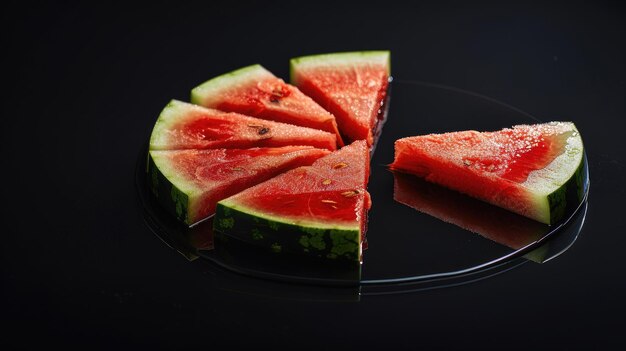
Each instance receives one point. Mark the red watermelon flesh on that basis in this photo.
(186, 126)
(332, 190)
(352, 86)
(525, 169)
(191, 182)
(256, 92)
(330, 194)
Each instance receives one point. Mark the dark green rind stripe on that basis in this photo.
(168, 195)
(335, 244)
(569, 194)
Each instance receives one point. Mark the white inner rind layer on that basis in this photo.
(341, 59)
(286, 220)
(171, 173)
(543, 182)
(209, 92)
(173, 112)
(179, 183)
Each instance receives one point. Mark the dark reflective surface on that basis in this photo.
(405, 246)
(80, 269)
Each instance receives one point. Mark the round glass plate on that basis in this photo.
(419, 235)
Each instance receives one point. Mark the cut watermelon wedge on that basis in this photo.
(528, 169)
(187, 126)
(351, 85)
(188, 183)
(320, 210)
(254, 91)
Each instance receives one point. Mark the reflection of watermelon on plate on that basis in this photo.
(254, 91)
(188, 183)
(528, 169)
(187, 126)
(320, 210)
(492, 222)
(351, 85)
(200, 236)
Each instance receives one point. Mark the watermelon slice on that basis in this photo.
(320, 210)
(187, 126)
(526, 169)
(351, 85)
(254, 91)
(188, 183)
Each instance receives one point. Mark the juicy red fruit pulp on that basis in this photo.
(329, 193)
(275, 100)
(329, 206)
(359, 111)
(254, 101)
(516, 153)
(204, 129)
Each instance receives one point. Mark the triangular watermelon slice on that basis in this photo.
(527, 169)
(320, 210)
(351, 85)
(255, 91)
(186, 126)
(188, 183)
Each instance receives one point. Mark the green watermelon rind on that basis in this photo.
(338, 59)
(318, 240)
(539, 254)
(170, 191)
(561, 180)
(573, 189)
(214, 87)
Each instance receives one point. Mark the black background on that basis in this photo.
(83, 86)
